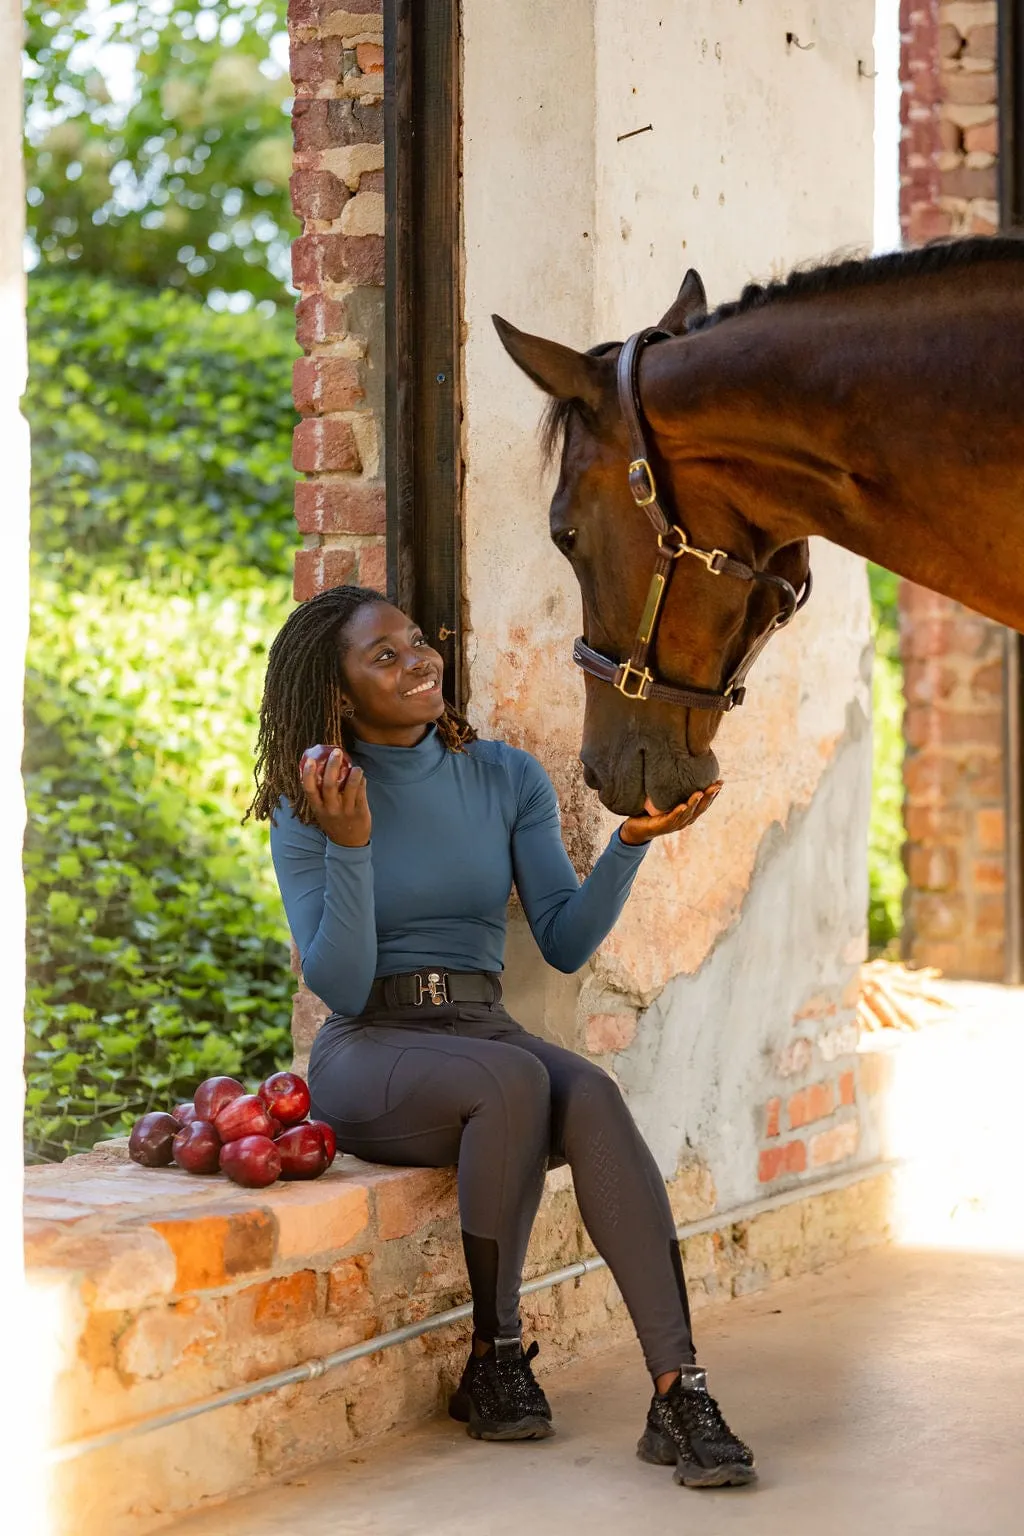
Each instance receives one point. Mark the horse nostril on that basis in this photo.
(590, 778)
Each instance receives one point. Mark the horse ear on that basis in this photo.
(558, 370)
(690, 301)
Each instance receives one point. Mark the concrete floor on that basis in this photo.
(884, 1397)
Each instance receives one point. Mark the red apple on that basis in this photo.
(185, 1113)
(151, 1140)
(319, 755)
(306, 1150)
(286, 1096)
(214, 1093)
(252, 1160)
(197, 1148)
(247, 1116)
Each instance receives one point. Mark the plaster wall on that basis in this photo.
(759, 156)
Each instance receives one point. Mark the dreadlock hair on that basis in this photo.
(302, 698)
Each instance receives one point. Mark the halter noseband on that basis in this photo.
(633, 678)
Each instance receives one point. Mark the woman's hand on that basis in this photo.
(343, 814)
(641, 829)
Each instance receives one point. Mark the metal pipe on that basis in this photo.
(311, 1370)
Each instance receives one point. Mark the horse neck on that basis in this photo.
(888, 420)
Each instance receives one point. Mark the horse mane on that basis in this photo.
(840, 274)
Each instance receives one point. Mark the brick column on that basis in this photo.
(953, 771)
(337, 66)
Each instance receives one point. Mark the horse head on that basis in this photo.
(637, 749)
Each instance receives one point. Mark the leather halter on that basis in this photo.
(633, 678)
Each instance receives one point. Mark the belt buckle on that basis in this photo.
(435, 987)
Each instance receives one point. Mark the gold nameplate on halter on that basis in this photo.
(645, 680)
(652, 607)
(646, 488)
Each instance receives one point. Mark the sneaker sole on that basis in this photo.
(533, 1427)
(659, 1451)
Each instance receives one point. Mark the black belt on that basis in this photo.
(421, 989)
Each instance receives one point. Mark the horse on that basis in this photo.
(878, 403)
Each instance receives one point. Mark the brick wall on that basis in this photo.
(337, 66)
(953, 772)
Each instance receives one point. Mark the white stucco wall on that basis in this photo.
(759, 156)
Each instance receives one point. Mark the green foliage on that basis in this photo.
(887, 877)
(183, 183)
(160, 433)
(156, 941)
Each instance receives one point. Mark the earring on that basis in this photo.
(347, 711)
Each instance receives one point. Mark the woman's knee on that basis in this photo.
(516, 1082)
(591, 1097)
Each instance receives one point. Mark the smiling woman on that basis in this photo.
(396, 877)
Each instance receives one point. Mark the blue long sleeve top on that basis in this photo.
(451, 833)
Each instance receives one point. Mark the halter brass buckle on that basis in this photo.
(714, 559)
(627, 670)
(648, 491)
(436, 987)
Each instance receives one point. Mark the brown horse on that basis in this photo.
(878, 403)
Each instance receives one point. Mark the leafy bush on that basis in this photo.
(157, 946)
(886, 874)
(158, 950)
(161, 434)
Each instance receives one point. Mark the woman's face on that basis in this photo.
(392, 676)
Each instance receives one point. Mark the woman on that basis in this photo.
(396, 887)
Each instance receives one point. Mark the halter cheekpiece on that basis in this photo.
(634, 678)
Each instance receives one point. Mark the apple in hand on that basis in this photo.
(306, 1150)
(319, 755)
(151, 1140)
(244, 1116)
(213, 1094)
(286, 1097)
(253, 1161)
(197, 1148)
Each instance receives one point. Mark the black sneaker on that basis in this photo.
(498, 1396)
(686, 1428)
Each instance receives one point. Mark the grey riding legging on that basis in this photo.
(470, 1088)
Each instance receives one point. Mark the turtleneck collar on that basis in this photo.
(401, 765)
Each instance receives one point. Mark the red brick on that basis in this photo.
(370, 58)
(318, 569)
(606, 1032)
(340, 506)
(970, 181)
(363, 259)
(371, 181)
(287, 1302)
(952, 727)
(352, 7)
(319, 444)
(927, 223)
(970, 89)
(936, 916)
(930, 779)
(990, 829)
(950, 41)
(990, 915)
(814, 1103)
(932, 869)
(410, 1199)
(319, 123)
(988, 874)
(348, 1286)
(983, 138)
(213, 1249)
(771, 1117)
(774, 1162)
(847, 1089)
(834, 1145)
(317, 259)
(318, 194)
(981, 225)
(938, 824)
(319, 319)
(313, 62)
(926, 682)
(373, 567)
(324, 384)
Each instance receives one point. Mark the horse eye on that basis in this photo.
(565, 540)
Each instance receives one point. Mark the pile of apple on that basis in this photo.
(255, 1138)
